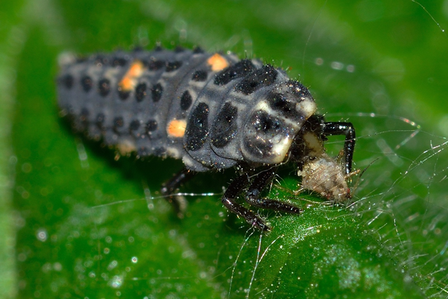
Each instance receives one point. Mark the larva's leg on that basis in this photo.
(228, 199)
(260, 182)
(347, 129)
(169, 187)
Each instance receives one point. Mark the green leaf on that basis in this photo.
(91, 226)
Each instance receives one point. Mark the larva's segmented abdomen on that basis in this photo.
(210, 110)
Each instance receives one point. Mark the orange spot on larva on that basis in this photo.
(136, 69)
(217, 62)
(130, 78)
(126, 84)
(176, 128)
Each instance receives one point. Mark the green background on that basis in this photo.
(77, 223)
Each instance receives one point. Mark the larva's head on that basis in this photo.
(274, 121)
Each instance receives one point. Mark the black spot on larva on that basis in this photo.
(185, 100)
(100, 59)
(224, 128)
(265, 123)
(159, 151)
(173, 65)
(198, 50)
(199, 76)
(299, 89)
(104, 87)
(84, 114)
(156, 92)
(86, 83)
(140, 92)
(279, 102)
(154, 64)
(179, 49)
(158, 48)
(134, 125)
(118, 61)
(233, 72)
(138, 49)
(123, 94)
(265, 130)
(151, 125)
(99, 121)
(118, 123)
(67, 81)
(197, 127)
(260, 78)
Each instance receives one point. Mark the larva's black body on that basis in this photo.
(225, 110)
(213, 111)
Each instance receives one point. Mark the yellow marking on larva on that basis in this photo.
(176, 128)
(217, 62)
(130, 78)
